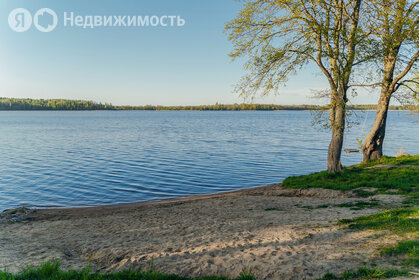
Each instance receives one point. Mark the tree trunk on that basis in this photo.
(373, 145)
(334, 153)
(337, 115)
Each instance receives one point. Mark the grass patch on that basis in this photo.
(408, 249)
(365, 273)
(359, 205)
(400, 220)
(403, 160)
(402, 178)
(52, 271)
(271, 209)
(393, 180)
(309, 207)
(412, 200)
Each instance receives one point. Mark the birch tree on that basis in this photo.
(280, 37)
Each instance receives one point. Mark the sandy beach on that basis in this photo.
(276, 233)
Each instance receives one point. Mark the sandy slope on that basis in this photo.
(208, 235)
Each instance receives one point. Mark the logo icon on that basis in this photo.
(20, 20)
(45, 20)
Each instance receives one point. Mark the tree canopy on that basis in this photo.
(394, 27)
(279, 37)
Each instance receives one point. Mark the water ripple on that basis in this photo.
(91, 158)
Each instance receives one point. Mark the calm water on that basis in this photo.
(91, 158)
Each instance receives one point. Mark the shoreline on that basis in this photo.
(114, 208)
(124, 205)
(277, 233)
(157, 202)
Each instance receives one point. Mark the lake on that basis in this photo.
(63, 158)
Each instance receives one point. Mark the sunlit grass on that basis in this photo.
(403, 222)
(392, 180)
(52, 271)
(403, 160)
(365, 273)
(408, 249)
(400, 220)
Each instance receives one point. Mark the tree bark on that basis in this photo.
(373, 144)
(335, 151)
(337, 115)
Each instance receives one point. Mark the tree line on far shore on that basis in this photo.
(19, 104)
(50, 104)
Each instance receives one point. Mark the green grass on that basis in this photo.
(408, 249)
(357, 205)
(271, 209)
(52, 271)
(309, 207)
(365, 273)
(403, 160)
(393, 180)
(400, 220)
(411, 200)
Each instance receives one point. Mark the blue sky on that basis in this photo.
(134, 66)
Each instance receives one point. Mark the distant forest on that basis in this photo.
(15, 104)
(50, 104)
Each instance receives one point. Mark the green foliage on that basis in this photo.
(52, 271)
(281, 37)
(365, 273)
(360, 143)
(400, 180)
(400, 220)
